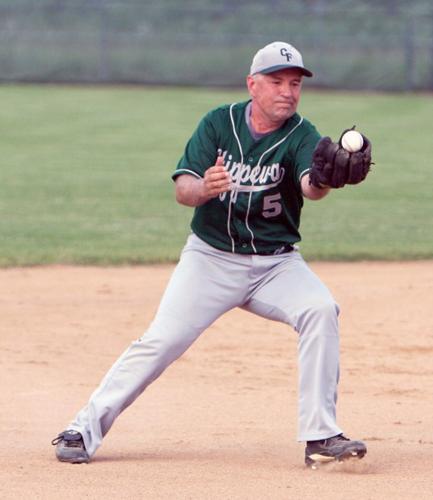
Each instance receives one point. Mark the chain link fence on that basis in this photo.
(377, 45)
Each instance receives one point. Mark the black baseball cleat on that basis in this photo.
(334, 449)
(70, 447)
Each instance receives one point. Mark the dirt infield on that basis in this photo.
(220, 423)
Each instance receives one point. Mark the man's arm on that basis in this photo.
(312, 192)
(194, 192)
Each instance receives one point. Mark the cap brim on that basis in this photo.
(272, 69)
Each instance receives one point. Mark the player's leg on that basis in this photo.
(292, 293)
(202, 287)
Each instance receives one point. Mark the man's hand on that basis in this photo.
(194, 192)
(216, 180)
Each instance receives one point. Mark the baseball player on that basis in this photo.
(246, 170)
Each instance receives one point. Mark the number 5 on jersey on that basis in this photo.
(272, 205)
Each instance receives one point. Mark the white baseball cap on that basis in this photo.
(276, 56)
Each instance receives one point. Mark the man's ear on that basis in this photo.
(251, 82)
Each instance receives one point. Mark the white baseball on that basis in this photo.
(352, 141)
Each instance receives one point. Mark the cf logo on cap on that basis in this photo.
(285, 52)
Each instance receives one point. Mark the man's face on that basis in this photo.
(276, 95)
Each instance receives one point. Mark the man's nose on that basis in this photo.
(286, 89)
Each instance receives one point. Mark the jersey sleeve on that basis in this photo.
(304, 154)
(200, 151)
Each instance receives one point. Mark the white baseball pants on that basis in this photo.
(205, 284)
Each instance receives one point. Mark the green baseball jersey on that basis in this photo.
(261, 214)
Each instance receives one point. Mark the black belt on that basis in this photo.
(282, 249)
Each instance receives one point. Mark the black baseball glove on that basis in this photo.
(334, 167)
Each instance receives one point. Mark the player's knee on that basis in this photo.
(320, 315)
(153, 348)
(325, 307)
(162, 347)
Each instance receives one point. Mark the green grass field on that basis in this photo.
(85, 175)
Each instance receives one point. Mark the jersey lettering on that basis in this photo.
(248, 178)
